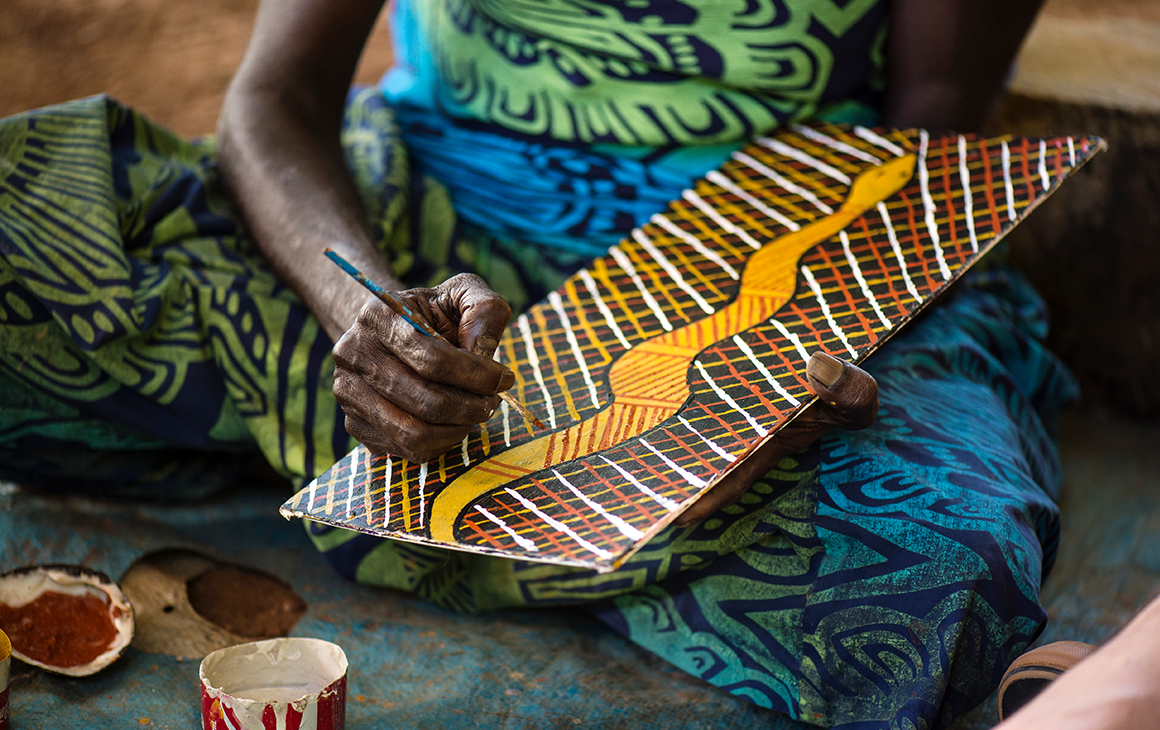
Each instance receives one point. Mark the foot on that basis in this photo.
(1033, 671)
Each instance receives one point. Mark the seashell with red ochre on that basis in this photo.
(65, 619)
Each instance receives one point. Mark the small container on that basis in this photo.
(5, 665)
(279, 684)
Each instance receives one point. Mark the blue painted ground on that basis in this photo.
(417, 666)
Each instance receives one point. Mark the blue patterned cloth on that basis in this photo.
(893, 589)
(556, 186)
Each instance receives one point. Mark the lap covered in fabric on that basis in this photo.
(882, 578)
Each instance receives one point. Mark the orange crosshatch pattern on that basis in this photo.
(671, 358)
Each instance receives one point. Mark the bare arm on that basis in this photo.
(281, 159)
(280, 153)
(1115, 688)
(947, 59)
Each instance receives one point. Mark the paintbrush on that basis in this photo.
(401, 309)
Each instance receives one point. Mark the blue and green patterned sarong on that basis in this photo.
(882, 578)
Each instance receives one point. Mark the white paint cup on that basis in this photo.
(279, 684)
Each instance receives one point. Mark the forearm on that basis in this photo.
(947, 59)
(281, 158)
(1116, 688)
(296, 196)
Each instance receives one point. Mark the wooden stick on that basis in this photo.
(401, 309)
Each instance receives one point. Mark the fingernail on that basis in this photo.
(506, 380)
(485, 346)
(825, 368)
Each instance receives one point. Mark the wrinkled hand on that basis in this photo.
(847, 398)
(411, 395)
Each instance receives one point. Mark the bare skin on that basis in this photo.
(428, 393)
(1115, 688)
(415, 397)
(947, 59)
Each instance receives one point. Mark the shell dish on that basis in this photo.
(65, 619)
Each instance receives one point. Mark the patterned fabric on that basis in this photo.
(139, 325)
(880, 579)
(583, 118)
(894, 589)
(636, 72)
(142, 333)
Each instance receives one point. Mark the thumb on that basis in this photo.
(847, 394)
(483, 315)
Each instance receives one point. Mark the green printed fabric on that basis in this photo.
(636, 72)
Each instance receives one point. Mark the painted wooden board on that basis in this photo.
(667, 361)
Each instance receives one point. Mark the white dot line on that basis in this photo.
(623, 262)
(789, 186)
(1043, 178)
(354, 461)
(835, 144)
(708, 441)
(879, 140)
(522, 541)
(534, 361)
(898, 251)
(928, 204)
(625, 529)
(765, 372)
(422, 493)
(717, 178)
(687, 475)
(1007, 187)
(782, 148)
(671, 270)
(387, 493)
(817, 290)
(604, 554)
(862, 281)
(968, 197)
(693, 241)
(507, 429)
(797, 343)
(665, 502)
(558, 305)
(720, 220)
(761, 430)
(604, 310)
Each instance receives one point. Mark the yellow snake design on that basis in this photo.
(649, 383)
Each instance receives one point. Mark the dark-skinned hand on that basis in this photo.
(415, 396)
(847, 398)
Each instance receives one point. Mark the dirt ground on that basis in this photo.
(171, 59)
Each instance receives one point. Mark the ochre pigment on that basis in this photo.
(61, 630)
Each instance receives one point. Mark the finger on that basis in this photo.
(847, 394)
(385, 428)
(431, 358)
(392, 380)
(483, 314)
(373, 439)
(428, 401)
